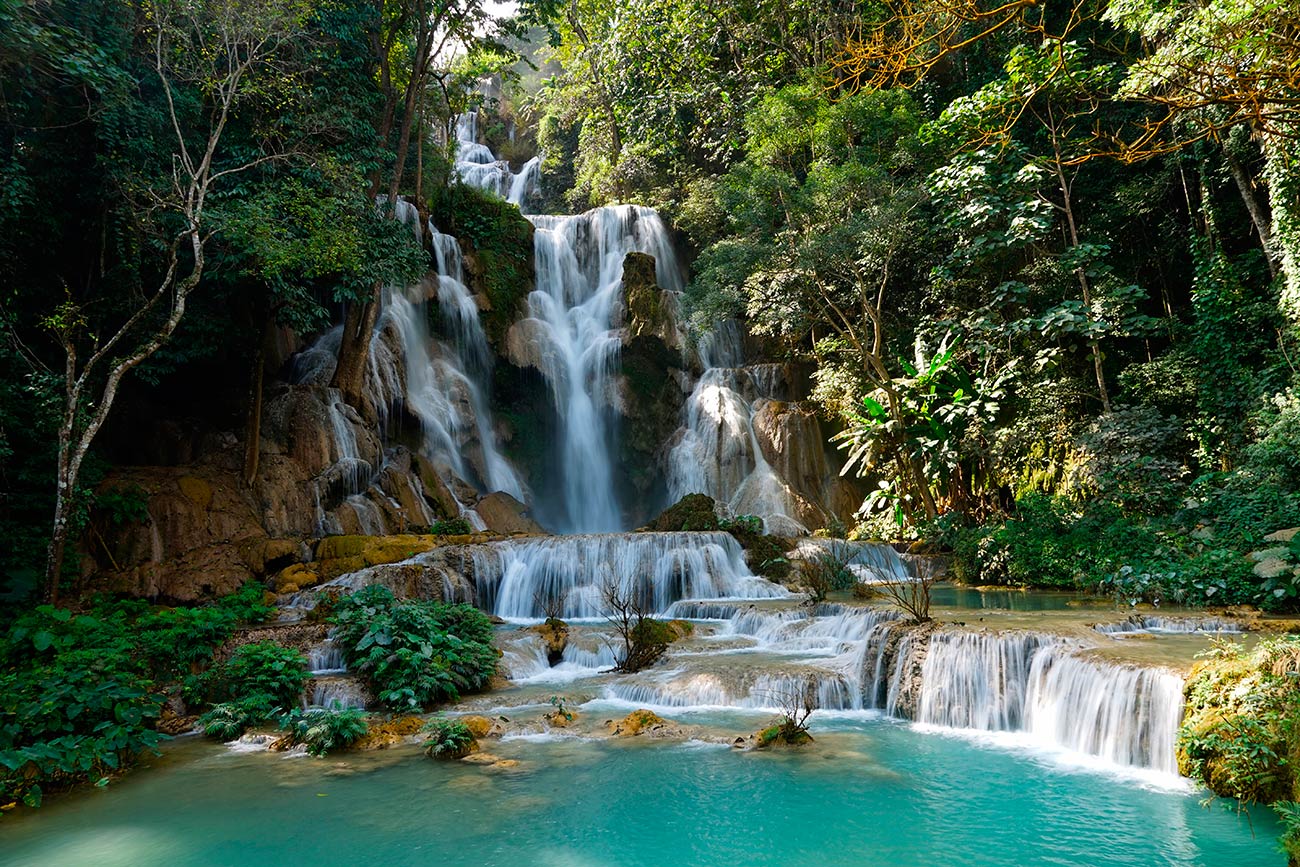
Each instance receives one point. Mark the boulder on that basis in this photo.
(502, 513)
(1282, 536)
(691, 512)
(482, 727)
(382, 735)
(556, 635)
(636, 722)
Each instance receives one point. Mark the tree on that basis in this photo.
(217, 48)
(412, 38)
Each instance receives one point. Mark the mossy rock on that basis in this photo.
(691, 512)
(777, 736)
(382, 735)
(636, 722)
(481, 727)
(293, 578)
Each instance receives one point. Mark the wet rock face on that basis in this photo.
(502, 513)
(650, 393)
(555, 634)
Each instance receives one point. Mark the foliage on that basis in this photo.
(323, 730)
(448, 739)
(829, 572)
(228, 720)
(1242, 727)
(79, 692)
(450, 527)
(260, 669)
(414, 653)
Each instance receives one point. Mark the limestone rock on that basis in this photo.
(482, 727)
(637, 722)
(381, 736)
(1271, 567)
(556, 635)
(1282, 536)
(504, 514)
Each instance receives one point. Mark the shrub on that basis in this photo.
(228, 720)
(450, 527)
(260, 669)
(79, 693)
(323, 730)
(448, 739)
(414, 653)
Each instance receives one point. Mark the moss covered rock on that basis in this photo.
(691, 512)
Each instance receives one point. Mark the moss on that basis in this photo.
(498, 245)
(1241, 728)
(691, 512)
(653, 411)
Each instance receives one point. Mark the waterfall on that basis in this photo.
(571, 315)
(338, 691)
(1155, 624)
(477, 166)
(977, 680)
(1123, 714)
(516, 578)
(716, 450)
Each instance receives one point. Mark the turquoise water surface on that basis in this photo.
(868, 793)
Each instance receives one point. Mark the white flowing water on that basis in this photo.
(716, 451)
(1157, 625)
(478, 167)
(517, 579)
(571, 326)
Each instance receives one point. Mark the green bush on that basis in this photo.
(229, 720)
(451, 527)
(80, 692)
(414, 653)
(448, 739)
(323, 730)
(260, 669)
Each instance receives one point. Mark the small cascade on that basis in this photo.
(741, 687)
(337, 691)
(977, 680)
(570, 328)
(1161, 625)
(716, 450)
(326, 658)
(515, 579)
(478, 167)
(870, 562)
(1123, 714)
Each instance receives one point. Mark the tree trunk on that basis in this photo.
(354, 348)
(1094, 345)
(253, 431)
(1256, 207)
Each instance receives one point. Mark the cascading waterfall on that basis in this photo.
(1123, 714)
(1156, 624)
(977, 680)
(716, 451)
(571, 319)
(477, 166)
(516, 579)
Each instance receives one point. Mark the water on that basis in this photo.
(478, 167)
(868, 793)
(716, 451)
(515, 579)
(569, 335)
